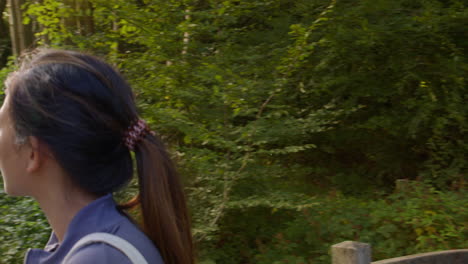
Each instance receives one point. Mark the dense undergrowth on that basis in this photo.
(414, 220)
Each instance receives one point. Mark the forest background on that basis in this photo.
(290, 121)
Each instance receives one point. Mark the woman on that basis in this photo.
(68, 126)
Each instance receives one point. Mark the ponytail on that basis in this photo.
(80, 106)
(164, 212)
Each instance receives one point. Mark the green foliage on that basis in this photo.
(418, 220)
(271, 106)
(49, 13)
(22, 226)
(9, 67)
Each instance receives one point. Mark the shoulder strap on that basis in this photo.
(121, 244)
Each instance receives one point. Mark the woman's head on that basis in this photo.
(80, 108)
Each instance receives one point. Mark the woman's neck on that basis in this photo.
(60, 199)
(60, 209)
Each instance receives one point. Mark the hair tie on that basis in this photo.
(135, 133)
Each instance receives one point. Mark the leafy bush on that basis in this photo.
(22, 226)
(420, 219)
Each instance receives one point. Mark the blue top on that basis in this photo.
(100, 215)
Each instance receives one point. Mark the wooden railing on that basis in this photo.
(351, 252)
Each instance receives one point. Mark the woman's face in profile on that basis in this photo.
(13, 158)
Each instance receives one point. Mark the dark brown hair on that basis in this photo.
(81, 107)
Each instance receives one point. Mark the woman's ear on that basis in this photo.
(35, 155)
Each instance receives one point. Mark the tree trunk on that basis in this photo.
(81, 22)
(86, 21)
(5, 44)
(3, 29)
(186, 39)
(21, 35)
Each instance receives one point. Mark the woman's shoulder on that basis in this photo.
(104, 252)
(98, 253)
(101, 252)
(128, 231)
(108, 219)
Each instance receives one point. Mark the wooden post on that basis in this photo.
(402, 185)
(350, 252)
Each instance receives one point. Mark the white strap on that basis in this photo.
(121, 244)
